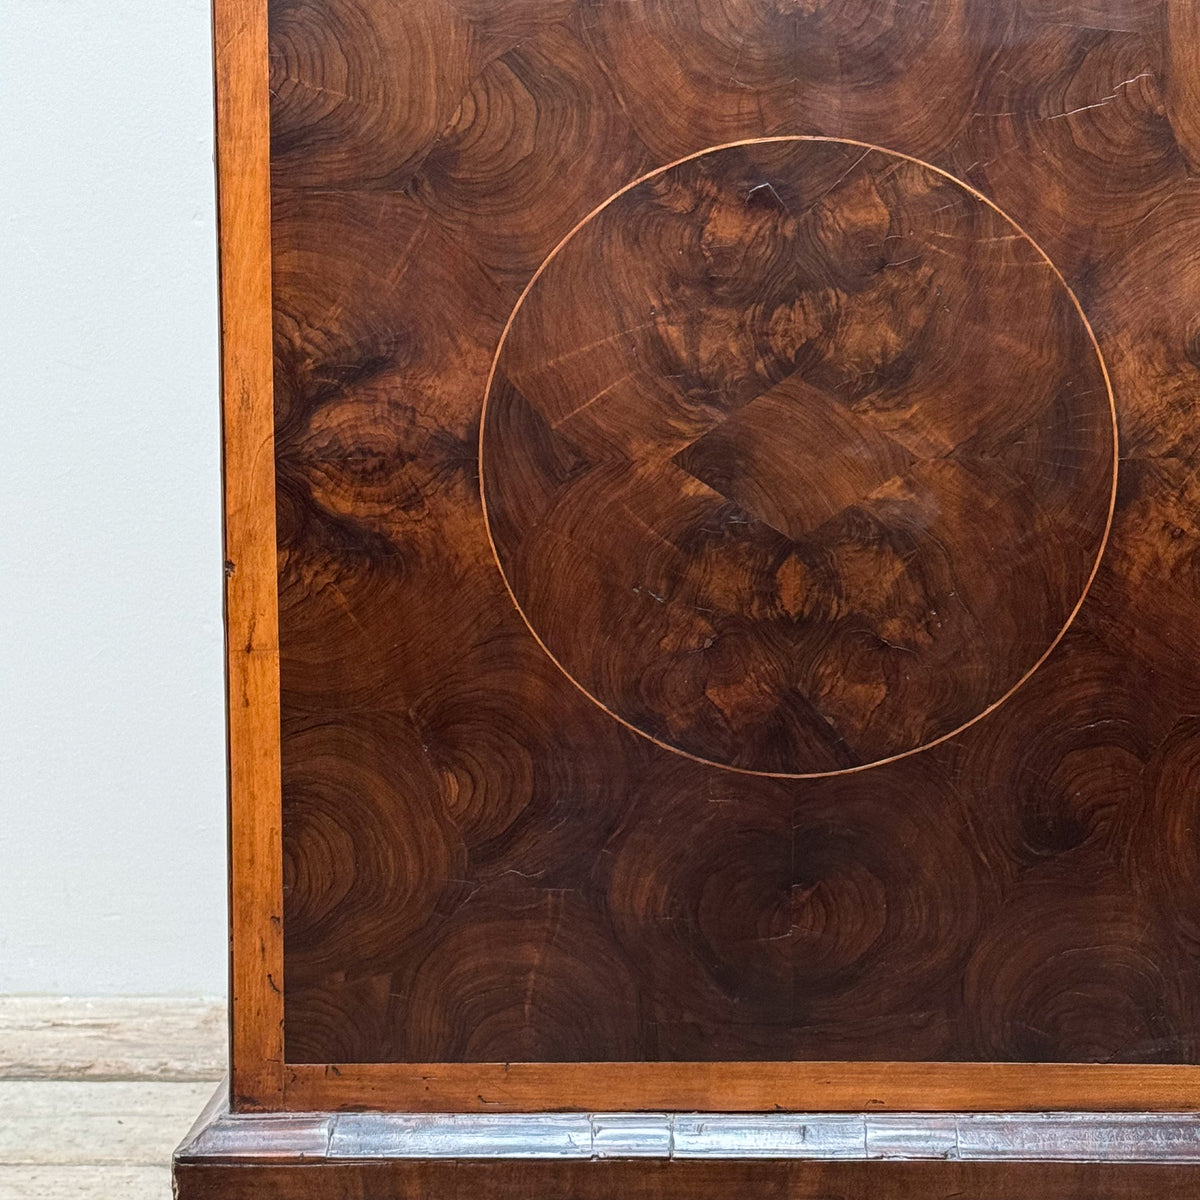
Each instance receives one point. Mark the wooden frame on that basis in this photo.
(251, 616)
(261, 1080)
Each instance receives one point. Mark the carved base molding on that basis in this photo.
(688, 1156)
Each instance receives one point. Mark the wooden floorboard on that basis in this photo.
(122, 1037)
(84, 1183)
(83, 1139)
(96, 1093)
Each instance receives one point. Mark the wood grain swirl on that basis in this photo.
(797, 459)
(799, 489)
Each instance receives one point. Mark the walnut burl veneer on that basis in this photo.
(798, 456)
(711, 502)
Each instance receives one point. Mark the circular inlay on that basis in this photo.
(797, 456)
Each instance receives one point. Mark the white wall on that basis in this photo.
(112, 842)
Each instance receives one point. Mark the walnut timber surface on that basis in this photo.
(821, 472)
(798, 460)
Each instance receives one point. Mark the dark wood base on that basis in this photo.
(659, 1156)
(633, 1180)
